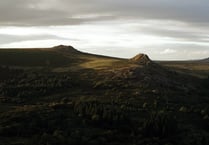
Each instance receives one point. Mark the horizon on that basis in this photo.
(45, 48)
(164, 30)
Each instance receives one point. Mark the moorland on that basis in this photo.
(61, 96)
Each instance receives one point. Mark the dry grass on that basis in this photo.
(198, 69)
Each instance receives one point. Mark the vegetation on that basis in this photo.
(77, 99)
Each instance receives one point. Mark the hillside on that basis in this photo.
(57, 56)
(61, 96)
(197, 68)
(39, 57)
(206, 60)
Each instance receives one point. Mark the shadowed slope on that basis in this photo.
(40, 57)
(58, 56)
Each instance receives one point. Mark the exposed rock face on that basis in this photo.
(141, 58)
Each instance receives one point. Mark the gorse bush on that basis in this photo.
(100, 112)
(34, 84)
(159, 124)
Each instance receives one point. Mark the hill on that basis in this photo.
(197, 68)
(63, 96)
(205, 60)
(57, 56)
(38, 57)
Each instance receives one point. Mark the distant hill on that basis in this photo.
(205, 60)
(61, 56)
(56, 56)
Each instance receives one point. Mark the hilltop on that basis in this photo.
(141, 58)
(38, 56)
(66, 50)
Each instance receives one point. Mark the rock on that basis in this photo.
(65, 49)
(141, 58)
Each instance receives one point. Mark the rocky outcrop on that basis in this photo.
(141, 58)
(66, 49)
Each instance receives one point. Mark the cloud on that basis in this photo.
(63, 12)
(182, 51)
(6, 39)
(164, 29)
(179, 31)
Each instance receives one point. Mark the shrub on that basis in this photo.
(100, 112)
(183, 109)
(159, 124)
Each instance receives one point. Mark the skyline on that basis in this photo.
(163, 29)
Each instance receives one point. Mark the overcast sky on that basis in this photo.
(163, 29)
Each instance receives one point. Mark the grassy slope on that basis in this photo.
(195, 68)
(52, 57)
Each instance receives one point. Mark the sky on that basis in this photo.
(163, 29)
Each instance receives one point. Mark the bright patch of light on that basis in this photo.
(168, 51)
